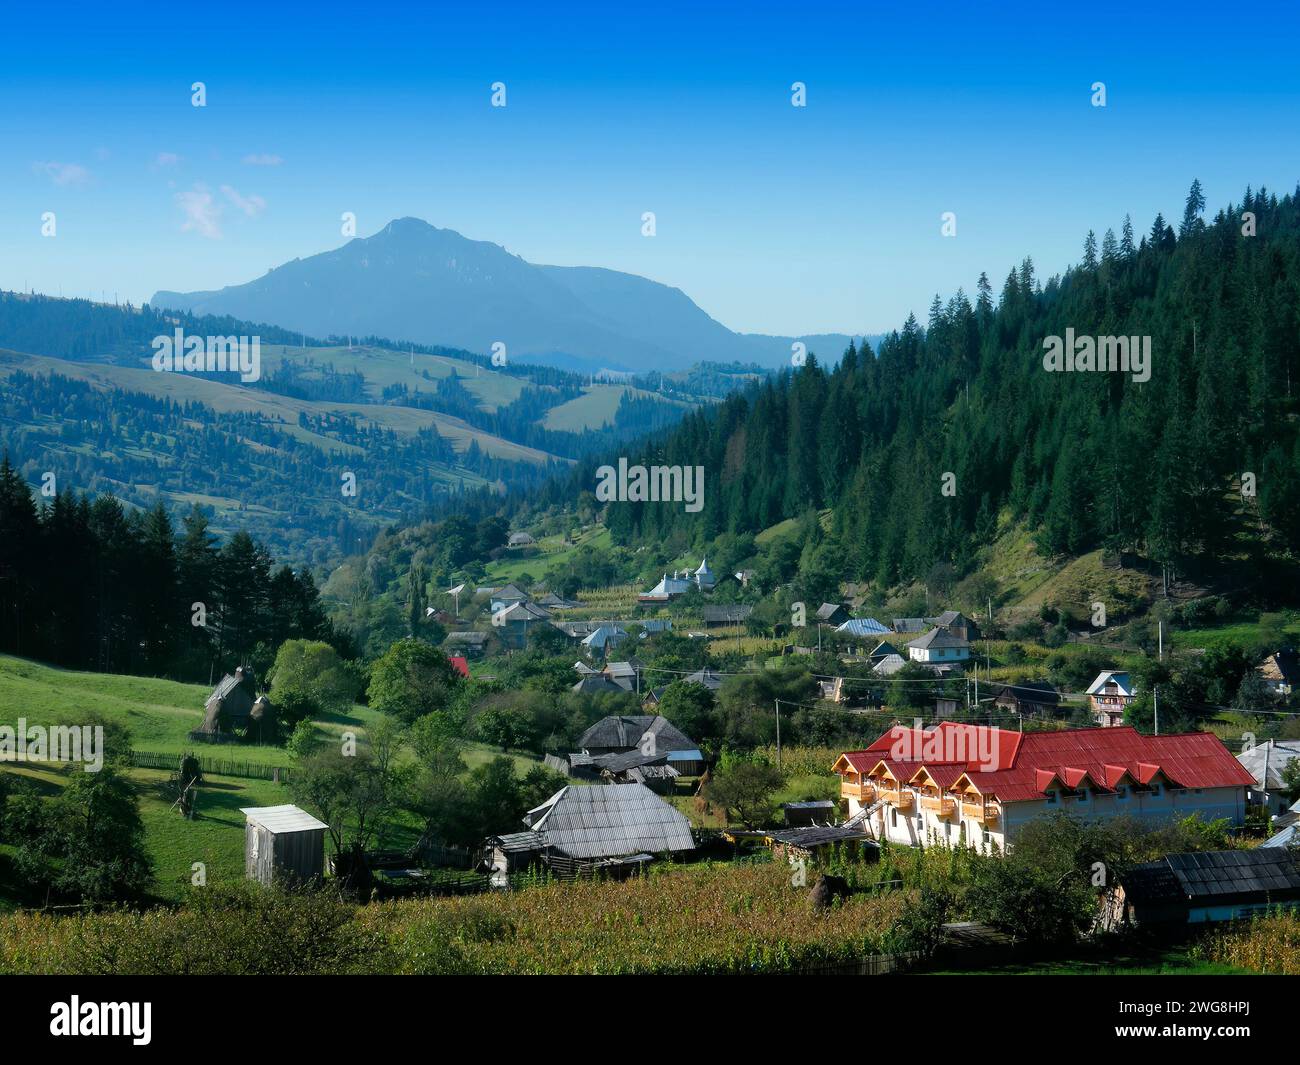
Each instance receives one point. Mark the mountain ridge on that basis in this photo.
(420, 283)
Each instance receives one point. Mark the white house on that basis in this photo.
(681, 582)
(1109, 696)
(939, 646)
(977, 785)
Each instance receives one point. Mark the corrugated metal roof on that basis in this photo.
(862, 627)
(608, 821)
(279, 819)
(1023, 764)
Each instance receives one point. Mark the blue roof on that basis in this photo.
(685, 756)
(862, 627)
(1284, 838)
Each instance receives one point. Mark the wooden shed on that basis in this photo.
(283, 844)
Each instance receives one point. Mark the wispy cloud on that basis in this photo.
(250, 205)
(202, 212)
(166, 159)
(63, 173)
(263, 159)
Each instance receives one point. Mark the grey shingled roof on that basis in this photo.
(281, 819)
(1277, 754)
(609, 821)
(616, 731)
(939, 638)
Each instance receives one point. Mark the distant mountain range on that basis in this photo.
(412, 281)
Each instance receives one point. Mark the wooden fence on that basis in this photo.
(221, 767)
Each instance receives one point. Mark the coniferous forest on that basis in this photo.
(1087, 459)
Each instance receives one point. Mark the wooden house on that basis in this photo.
(1109, 696)
(1028, 698)
(283, 845)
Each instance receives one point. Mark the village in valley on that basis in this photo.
(668, 738)
(645, 493)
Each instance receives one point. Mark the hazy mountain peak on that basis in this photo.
(414, 281)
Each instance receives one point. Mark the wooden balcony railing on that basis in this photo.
(900, 798)
(861, 792)
(980, 811)
(942, 805)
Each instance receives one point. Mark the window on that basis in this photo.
(1155, 789)
(1051, 798)
(1121, 792)
(1082, 794)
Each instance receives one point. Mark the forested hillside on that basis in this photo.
(1086, 459)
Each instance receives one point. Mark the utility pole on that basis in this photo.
(1155, 706)
(1160, 637)
(778, 734)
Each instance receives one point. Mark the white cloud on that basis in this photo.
(166, 159)
(63, 173)
(263, 159)
(250, 205)
(202, 212)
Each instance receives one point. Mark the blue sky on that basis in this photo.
(772, 218)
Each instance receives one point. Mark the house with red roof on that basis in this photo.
(977, 785)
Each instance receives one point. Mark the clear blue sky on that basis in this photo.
(772, 218)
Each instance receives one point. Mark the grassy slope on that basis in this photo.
(285, 409)
(595, 407)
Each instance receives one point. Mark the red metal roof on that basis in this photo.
(459, 665)
(1014, 766)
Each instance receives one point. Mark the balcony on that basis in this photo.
(979, 811)
(900, 799)
(942, 805)
(861, 792)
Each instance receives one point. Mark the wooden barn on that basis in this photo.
(283, 844)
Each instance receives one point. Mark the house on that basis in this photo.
(602, 639)
(744, 576)
(627, 675)
(283, 845)
(726, 613)
(1109, 696)
(520, 539)
(939, 646)
(551, 601)
(861, 627)
(1281, 672)
(882, 650)
(831, 690)
(958, 624)
(459, 665)
(703, 577)
(1266, 762)
(618, 733)
(512, 623)
(889, 665)
(979, 785)
(832, 614)
(705, 678)
(1205, 886)
(468, 642)
(597, 684)
(951, 621)
(1028, 698)
(804, 844)
(503, 598)
(582, 829)
(633, 767)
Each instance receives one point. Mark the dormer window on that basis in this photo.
(1121, 792)
(1051, 798)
